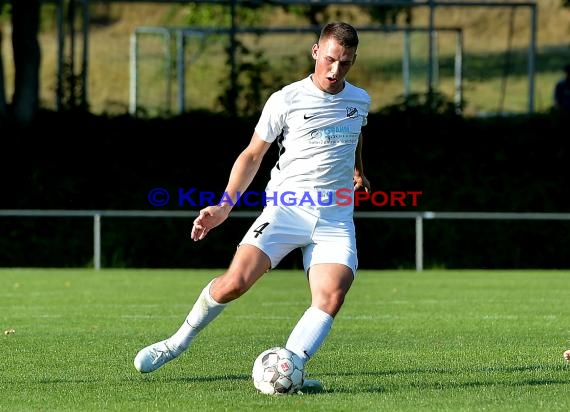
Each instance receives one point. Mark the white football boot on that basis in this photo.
(154, 356)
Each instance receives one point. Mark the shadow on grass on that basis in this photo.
(489, 379)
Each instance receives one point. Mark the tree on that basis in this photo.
(27, 58)
(25, 19)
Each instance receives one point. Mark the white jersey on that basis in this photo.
(317, 134)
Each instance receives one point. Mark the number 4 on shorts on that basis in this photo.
(259, 229)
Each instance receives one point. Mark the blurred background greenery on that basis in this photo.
(495, 55)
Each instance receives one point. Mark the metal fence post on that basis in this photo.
(97, 241)
(419, 244)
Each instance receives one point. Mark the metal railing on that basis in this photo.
(419, 217)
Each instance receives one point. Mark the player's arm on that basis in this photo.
(244, 170)
(242, 173)
(360, 181)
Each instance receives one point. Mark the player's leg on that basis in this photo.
(331, 263)
(274, 233)
(329, 283)
(248, 265)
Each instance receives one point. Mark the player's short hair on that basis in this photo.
(343, 33)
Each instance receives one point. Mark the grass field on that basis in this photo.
(404, 341)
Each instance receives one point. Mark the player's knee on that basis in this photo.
(229, 287)
(330, 302)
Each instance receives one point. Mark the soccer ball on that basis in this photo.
(278, 371)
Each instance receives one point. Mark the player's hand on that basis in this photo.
(361, 182)
(209, 218)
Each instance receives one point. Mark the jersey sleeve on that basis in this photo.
(272, 120)
(368, 101)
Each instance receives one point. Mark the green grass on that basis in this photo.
(404, 341)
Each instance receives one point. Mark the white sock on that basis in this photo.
(309, 333)
(202, 313)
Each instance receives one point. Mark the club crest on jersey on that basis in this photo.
(351, 112)
(315, 134)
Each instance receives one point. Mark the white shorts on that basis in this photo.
(280, 229)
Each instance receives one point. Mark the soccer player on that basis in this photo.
(317, 124)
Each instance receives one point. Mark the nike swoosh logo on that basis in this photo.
(308, 116)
